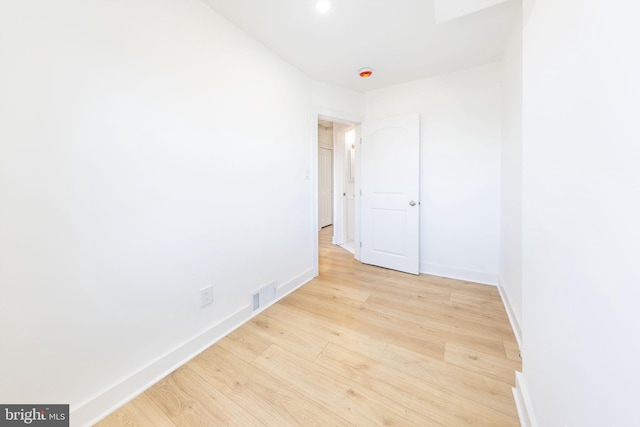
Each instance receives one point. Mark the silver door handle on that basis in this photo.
(412, 203)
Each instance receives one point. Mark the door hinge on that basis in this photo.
(361, 192)
(360, 141)
(360, 244)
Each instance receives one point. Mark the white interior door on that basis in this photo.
(390, 185)
(325, 187)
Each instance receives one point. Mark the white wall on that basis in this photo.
(510, 279)
(147, 149)
(333, 102)
(460, 167)
(581, 180)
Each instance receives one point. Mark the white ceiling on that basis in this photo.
(399, 39)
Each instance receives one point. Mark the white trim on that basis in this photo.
(358, 187)
(349, 247)
(293, 284)
(460, 274)
(338, 116)
(313, 168)
(523, 402)
(515, 325)
(100, 406)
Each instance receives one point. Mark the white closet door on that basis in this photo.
(325, 186)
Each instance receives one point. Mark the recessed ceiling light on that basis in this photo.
(323, 6)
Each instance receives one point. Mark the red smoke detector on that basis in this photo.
(365, 72)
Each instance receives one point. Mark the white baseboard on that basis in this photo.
(97, 408)
(293, 284)
(460, 274)
(513, 319)
(523, 402)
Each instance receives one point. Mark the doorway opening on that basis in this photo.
(325, 173)
(384, 217)
(337, 164)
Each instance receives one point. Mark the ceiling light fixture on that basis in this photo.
(323, 6)
(365, 72)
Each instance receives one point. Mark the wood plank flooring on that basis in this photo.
(357, 346)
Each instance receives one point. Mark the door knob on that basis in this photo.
(412, 203)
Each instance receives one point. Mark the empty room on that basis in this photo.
(303, 212)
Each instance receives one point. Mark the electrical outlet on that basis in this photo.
(206, 296)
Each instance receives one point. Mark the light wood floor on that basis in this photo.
(359, 345)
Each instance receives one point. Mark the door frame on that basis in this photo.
(338, 117)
